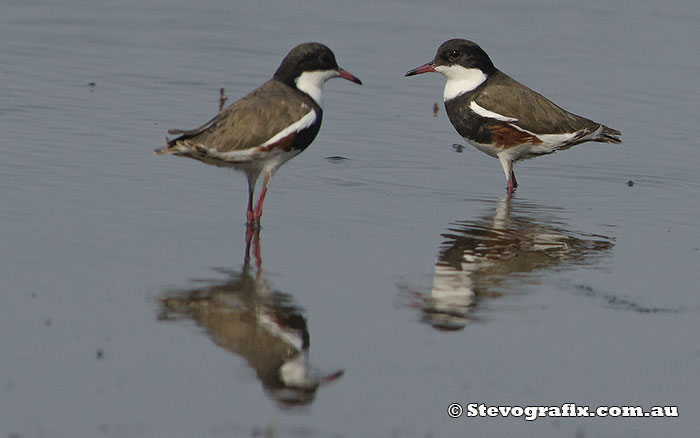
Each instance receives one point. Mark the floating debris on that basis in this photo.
(630, 183)
(616, 302)
(458, 148)
(436, 108)
(337, 159)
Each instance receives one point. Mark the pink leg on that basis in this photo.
(507, 165)
(252, 237)
(249, 215)
(257, 213)
(256, 249)
(249, 233)
(511, 186)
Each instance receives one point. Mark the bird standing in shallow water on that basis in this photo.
(502, 117)
(269, 126)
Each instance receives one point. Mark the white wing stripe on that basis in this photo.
(300, 125)
(483, 112)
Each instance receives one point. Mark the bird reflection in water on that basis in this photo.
(243, 315)
(476, 256)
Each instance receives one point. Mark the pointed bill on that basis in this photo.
(425, 68)
(349, 76)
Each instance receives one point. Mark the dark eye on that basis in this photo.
(325, 59)
(455, 54)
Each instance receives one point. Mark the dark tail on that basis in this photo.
(184, 135)
(610, 135)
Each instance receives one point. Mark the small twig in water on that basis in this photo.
(222, 99)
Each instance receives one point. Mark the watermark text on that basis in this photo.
(531, 413)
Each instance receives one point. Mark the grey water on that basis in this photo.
(391, 277)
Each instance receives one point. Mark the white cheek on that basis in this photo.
(460, 80)
(311, 83)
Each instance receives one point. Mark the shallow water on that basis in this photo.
(132, 308)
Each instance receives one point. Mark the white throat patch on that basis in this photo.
(460, 80)
(311, 83)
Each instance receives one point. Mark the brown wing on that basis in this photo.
(535, 113)
(250, 121)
